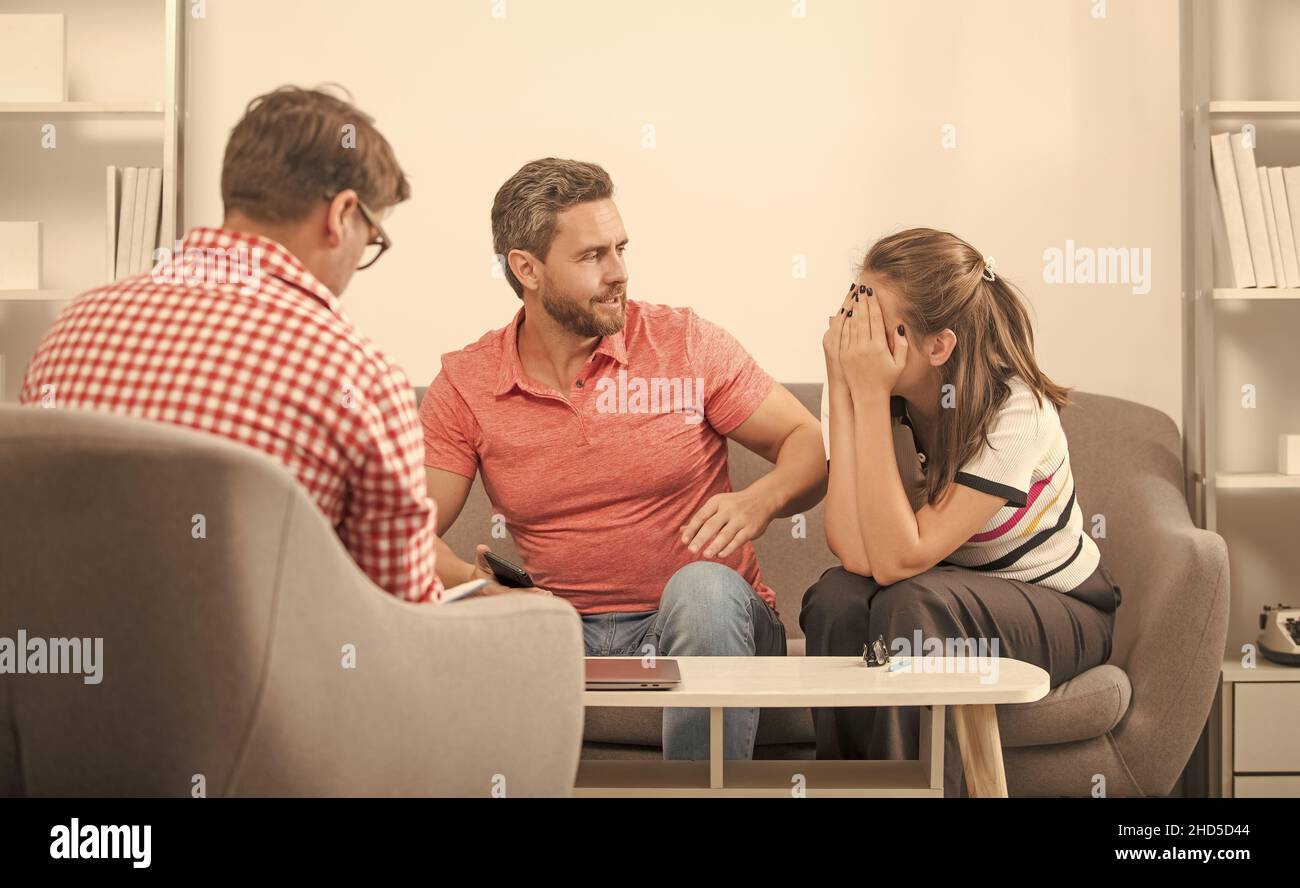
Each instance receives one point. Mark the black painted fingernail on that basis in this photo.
(855, 297)
(850, 312)
(868, 292)
(841, 311)
(900, 331)
(851, 286)
(864, 289)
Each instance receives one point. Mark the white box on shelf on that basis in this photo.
(20, 255)
(1288, 454)
(33, 54)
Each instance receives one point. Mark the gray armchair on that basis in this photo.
(223, 656)
(1134, 720)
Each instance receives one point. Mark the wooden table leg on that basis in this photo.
(981, 750)
(716, 749)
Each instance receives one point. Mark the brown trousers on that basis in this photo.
(1064, 633)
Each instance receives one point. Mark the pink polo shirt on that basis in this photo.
(595, 482)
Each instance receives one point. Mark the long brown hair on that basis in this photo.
(942, 280)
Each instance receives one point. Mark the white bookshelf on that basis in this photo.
(36, 295)
(1256, 481)
(1257, 293)
(152, 125)
(1265, 107)
(1205, 478)
(94, 109)
(1235, 729)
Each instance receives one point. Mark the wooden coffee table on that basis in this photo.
(716, 683)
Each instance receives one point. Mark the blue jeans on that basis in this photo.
(707, 609)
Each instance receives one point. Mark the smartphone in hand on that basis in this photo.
(509, 575)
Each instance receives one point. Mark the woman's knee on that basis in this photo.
(918, 602)
(839, 597)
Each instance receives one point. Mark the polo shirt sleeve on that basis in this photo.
(1004, 466)
(451, 432)
(734, 384)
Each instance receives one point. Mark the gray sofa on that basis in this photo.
(223, 657)
(1134, 720)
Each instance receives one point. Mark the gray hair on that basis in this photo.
(525, 207)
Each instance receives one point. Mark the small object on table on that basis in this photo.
(876, 653)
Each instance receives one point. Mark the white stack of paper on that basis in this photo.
(20, 255)
(32, 58)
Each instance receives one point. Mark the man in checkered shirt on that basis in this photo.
(241, 334)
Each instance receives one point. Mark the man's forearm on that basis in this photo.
(450, 568)
(797, 482)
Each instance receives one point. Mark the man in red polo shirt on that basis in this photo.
(600, 425)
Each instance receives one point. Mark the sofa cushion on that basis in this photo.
(1086, 706)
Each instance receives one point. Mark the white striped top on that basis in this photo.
(1038, 536)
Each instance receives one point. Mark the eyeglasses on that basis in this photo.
(375, 248)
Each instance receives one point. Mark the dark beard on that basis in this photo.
(579, 321)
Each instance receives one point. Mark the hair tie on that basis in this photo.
(989, 264)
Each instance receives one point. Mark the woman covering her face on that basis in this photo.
(951, 505)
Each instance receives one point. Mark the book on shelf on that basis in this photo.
(133, 202)
(1291, 185)
(137, 221)
(1252, 205)
(153, 203)
(1270, 224)
(110, 224)
(1234, 219)
(125, 222)
(1285, 214)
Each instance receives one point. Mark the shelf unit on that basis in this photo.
(1228, 767)
(1204, 480)
(169, 115)
(1257, 293)
(1259, 716)
(169, 112)
(1254, 107)
(95, 109)
(36, 295)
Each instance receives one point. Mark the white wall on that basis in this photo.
(776, 136)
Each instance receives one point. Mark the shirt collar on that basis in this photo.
(269, 256)
(511, 373)
(898, 409)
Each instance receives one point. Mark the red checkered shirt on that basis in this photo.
(267, 359)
